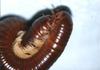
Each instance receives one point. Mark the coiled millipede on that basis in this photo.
(35, 44)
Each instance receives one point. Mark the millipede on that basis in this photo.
(37, 43)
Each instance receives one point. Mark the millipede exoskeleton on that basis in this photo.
(37, 43)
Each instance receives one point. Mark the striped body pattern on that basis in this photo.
(37, 43)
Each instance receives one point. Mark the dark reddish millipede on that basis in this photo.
(37, 43)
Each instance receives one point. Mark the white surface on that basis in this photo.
(83, 49)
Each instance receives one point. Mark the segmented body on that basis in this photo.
(36, 47)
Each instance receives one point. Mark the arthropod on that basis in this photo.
(37, 43)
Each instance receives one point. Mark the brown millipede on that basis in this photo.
(37, 43)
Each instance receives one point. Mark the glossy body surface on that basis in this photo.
(34, 46)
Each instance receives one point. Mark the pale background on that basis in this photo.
(83, 49)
